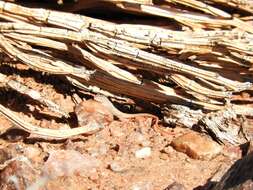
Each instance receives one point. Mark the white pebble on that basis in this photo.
(143, 152)
(117, 167)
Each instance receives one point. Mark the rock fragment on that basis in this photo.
(196, 146)
(69, 162)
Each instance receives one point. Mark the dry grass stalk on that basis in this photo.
(47, 133)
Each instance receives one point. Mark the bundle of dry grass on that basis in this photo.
(202, 61)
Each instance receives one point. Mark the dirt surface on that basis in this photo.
(126, 154)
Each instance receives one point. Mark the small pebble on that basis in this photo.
(143, 152)
(117, 167)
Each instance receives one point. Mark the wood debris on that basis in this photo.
(200, 61)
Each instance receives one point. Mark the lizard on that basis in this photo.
(121, 115)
